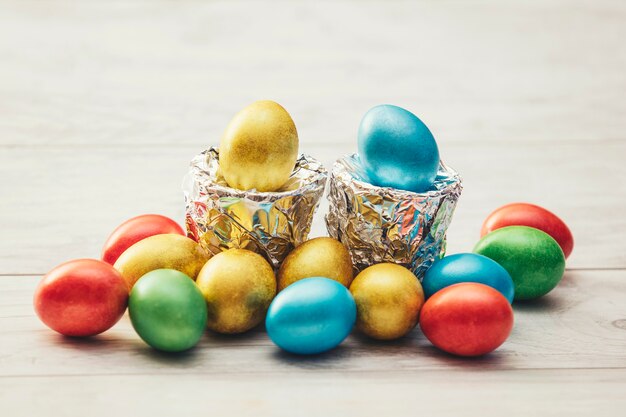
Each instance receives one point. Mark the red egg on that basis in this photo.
(134, 230)
(467, 319)
(83, 297)
(525, 214)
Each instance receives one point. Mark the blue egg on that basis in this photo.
(467, 267)
(311, 316)
(397, 149)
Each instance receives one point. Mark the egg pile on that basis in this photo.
(174, 289)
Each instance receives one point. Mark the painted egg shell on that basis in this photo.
(467, 319)
(311, 316)
(388, 300)
(467, 267)
(238, 286)
(161, 251)
(397, 149)
(167, 310)
(136, 229)
(534, 260)
(318, 257)
(259, 148)
(83, 297)
(524, 214)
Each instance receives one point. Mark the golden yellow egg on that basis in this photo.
(171, 251)
(388, 300)
(259, 147)
(319, 257)
(238, 286)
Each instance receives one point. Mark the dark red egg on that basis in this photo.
(134, 230)
(525, 214)
(83, 297)
(467, 319)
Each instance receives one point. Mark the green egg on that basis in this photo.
(167, 310)
(533, 258)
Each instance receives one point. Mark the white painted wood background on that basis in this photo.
(102, 105)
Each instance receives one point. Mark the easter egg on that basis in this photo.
(467, 319)
(167, 310)
(397, 149)
(259, 148)
(524, 214)
(388, 300)
(319, 257)
(311, 316)
(134, 230)
(238, 286)
(533, 259)
(468, 267)
(168, 251)
(83, 297)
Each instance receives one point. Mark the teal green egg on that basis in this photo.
(167, 310)
(533, 258)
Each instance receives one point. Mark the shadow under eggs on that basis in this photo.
(254, 336)
(548, 303)
(189, 358)
(335, 357)
(101, 342)
(399, 345)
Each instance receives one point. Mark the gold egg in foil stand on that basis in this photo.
(259, 147)
(271, 224)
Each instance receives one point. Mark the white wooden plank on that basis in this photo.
(441, 393)
(60, 203)
(156, 72)
(581, 325)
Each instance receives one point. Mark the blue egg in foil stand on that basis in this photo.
(383, 224)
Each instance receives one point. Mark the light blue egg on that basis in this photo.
(468, 267)
(311, 316)
(397, 149)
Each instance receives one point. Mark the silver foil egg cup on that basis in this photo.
(383, 224)
(270, 223)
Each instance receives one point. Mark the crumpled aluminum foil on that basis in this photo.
(382, 224)
(269, 223)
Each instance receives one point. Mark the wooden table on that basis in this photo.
(102, 105)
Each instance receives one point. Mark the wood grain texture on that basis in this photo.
(167, 72)
(450, 393)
